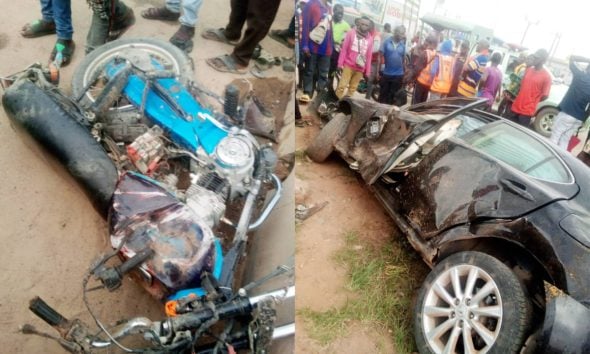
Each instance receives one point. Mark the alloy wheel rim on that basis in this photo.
(462, 311)
(547, 122)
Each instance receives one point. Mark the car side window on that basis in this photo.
(519, 150)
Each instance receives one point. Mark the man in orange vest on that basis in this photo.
(442, 71)
(421, 69)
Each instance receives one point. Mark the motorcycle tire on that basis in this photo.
(92, 65)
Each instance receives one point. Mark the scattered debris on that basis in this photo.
(302, 212)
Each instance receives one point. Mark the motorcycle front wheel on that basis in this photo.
(88, 80)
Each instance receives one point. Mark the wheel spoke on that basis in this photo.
(483, 332)
(443, 293)
(488, 311)
(452, 342)
(470, 283)
(467, 339)
(483, 292)
(456, 283)
(436, 311)
(441, 329)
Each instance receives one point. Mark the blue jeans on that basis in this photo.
(313, 63)
(190, 10)
(60, 12)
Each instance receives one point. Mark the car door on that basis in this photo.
(494, 171)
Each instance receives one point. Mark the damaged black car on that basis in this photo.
(499, 213)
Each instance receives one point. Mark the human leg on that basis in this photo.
(47, 10)
(523, 120)
(384, 89)
(371, 80)
(237, 18)
(62, 15)
(420, 93)
(259, 17)
(42, 27)
(345, 78)
(357, 76)
(564, 127)
(190, 12)
(310, 65)
(109, 20)
(323, 66)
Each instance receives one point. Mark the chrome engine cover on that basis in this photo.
(234, 160)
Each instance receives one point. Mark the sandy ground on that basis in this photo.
(321, 283)
(49, 230)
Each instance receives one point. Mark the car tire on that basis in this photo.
(323, 144)
(544, 120)
(496, 314)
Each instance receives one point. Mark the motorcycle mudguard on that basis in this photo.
(566, 328)
(49, 121)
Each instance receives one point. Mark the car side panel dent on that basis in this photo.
(501, 237)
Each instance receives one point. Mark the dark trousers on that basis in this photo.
(420, 93)
(105, 18)
(332, 72)
(259, 15)
(314, 62)
(520, 119)
(389, 85)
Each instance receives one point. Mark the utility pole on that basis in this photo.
(528, 25)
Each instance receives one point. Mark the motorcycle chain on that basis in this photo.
(262, 327)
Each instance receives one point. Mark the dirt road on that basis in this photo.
(49, 231)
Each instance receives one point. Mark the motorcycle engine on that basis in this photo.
(207, 197)
(234, 160)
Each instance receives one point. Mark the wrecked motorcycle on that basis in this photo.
(181, 185)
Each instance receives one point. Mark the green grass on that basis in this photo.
(384, 280)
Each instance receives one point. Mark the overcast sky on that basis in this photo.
(508, 19)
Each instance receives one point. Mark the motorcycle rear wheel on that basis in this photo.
(88, 73)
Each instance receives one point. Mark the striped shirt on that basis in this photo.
(475, 69)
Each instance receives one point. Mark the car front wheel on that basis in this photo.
(323, 144)
(471, 303)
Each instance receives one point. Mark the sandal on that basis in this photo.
(225, 63)
(121, 25)
(66, 48)
(38, 28)
(160, 13)
(282, 37)
(218, 34)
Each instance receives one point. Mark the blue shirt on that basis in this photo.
(393, 55)
(577, 96)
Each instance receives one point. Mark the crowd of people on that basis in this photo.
(434, 68)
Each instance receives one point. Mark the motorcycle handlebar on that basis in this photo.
(182, 322)
(48, 314)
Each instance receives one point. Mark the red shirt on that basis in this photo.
(535, 84)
